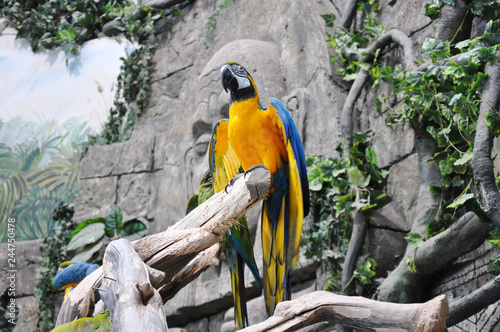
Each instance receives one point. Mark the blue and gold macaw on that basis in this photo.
(224, 165)
(71, 273)
(269, 137)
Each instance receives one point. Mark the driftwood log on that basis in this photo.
(356, 312)
(184, 250)
(133, 302)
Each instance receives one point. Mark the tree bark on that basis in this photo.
(484, 185)
(359, 229)
(355, 312)
(435, 254)
(474, 302)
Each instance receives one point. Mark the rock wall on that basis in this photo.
(282, 44)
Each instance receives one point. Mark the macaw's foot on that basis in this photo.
(232, 181)
(251, 169)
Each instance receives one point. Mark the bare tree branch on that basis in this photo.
(355, 312)
(133, 303)
(474, 302)
(484, 185)
(359, 229)
(435, 254)
(349, 13)
(392, 36)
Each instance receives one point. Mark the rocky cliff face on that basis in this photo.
(282, 44)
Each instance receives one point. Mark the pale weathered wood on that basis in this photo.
(356, 312)
(134, 304)
(223, 209)
(176, 251)
(202, 261)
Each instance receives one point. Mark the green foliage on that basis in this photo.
(133, 81)
(54, 251)
(51, 23)
(338, 187)
(366, 272)
(443, 102)
(415, 240)
(439, 100)
(88, 238)
(347, 43)
(212, 19)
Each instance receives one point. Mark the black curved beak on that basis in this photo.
(228, 80)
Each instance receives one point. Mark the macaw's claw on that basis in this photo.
(232, 181)
(254, 168)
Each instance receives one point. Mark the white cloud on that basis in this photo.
(34, 85)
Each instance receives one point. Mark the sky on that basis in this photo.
(40, 86)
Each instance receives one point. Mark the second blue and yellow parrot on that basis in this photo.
(255, 136)
(71, 273)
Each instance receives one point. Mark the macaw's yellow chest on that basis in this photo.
(256, 136)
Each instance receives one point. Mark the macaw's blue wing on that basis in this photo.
(70, 274)
(224, 165)
(284, 210)
(298, 184)
(99, 323)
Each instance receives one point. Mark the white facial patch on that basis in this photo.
(243, 82)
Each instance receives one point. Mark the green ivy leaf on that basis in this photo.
(494, 237)
(410, 263)
(494, 267)
(434, 49)
(379, 198)
(466, 157)
(356, 178)
(457, 181)
(445, 167)
(366, 272)
(491, 33)
(371, 156)
(455, 99)
(460, 200)
(315, 179)
(329, 19)
(433, 227)
(437, 190)
(493, 121)
(487, 54)
(414, 239)
(463, 44)
(432, 11)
